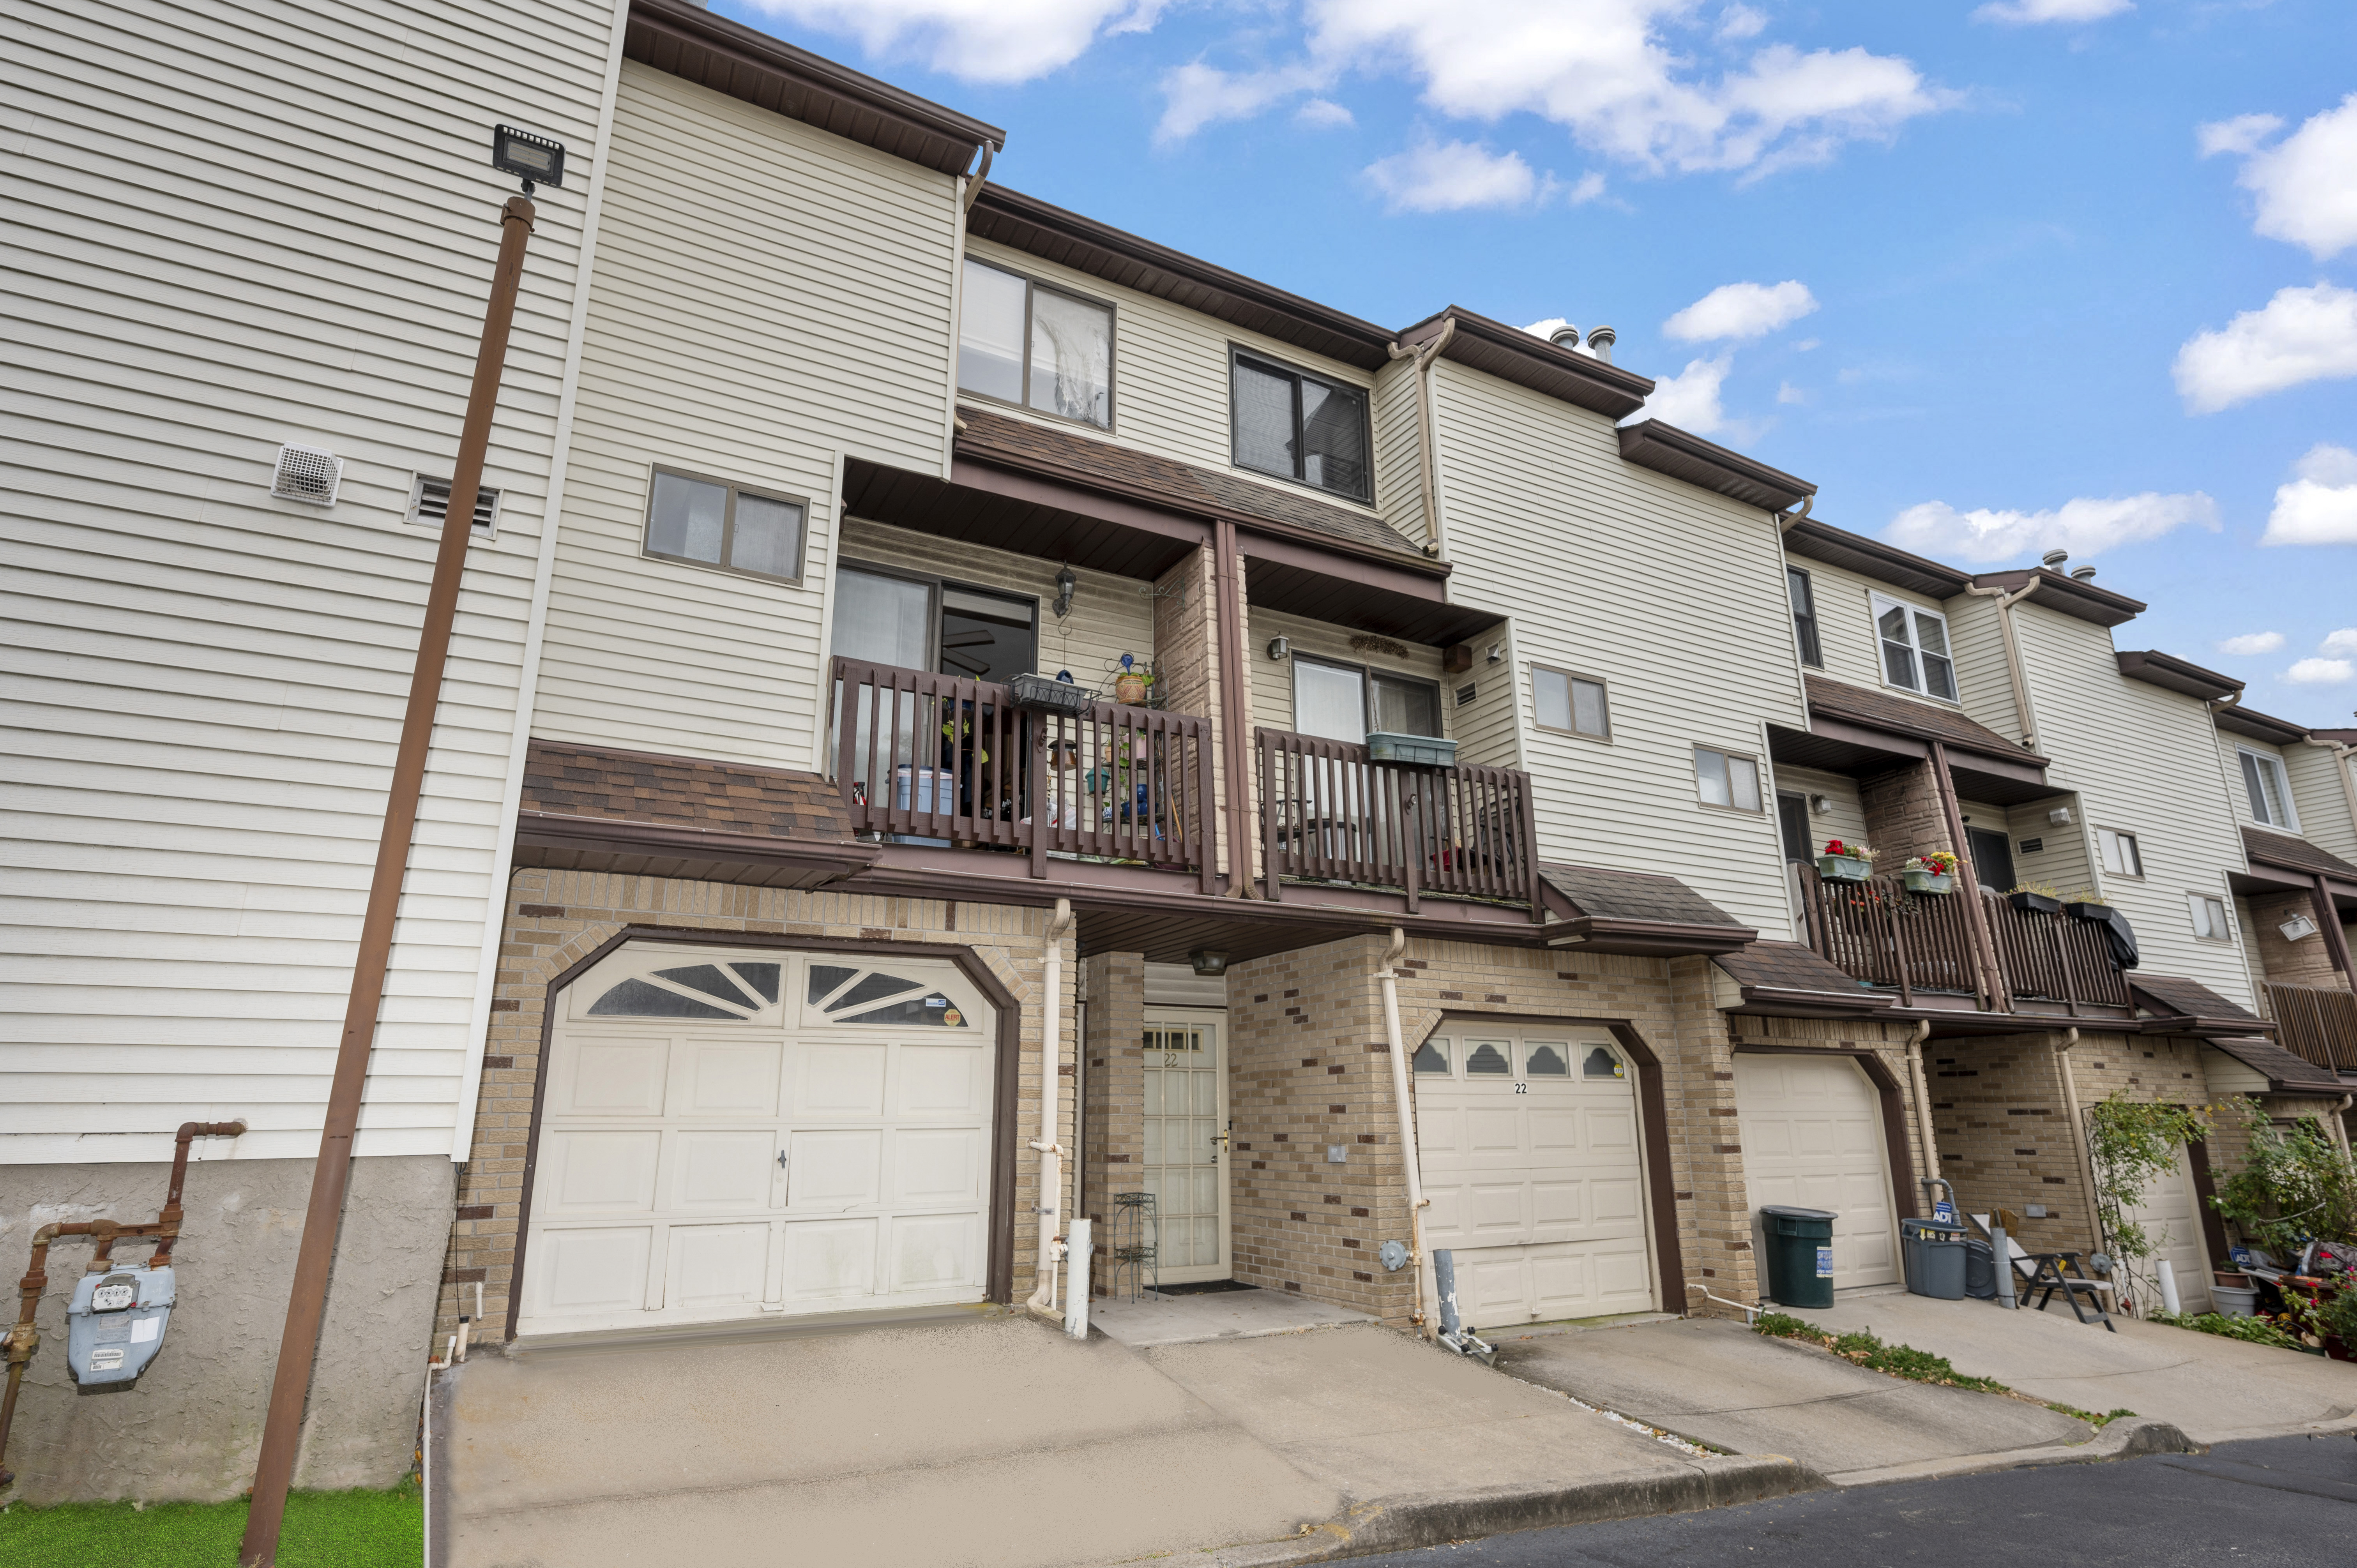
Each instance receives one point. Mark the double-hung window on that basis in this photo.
(1034, 347)
(1574, 703)
(1804, 616)
(711, 523)
(2263, 775)
(2121, 855)
(1914, 648)
(1727, 778)
(1299, 426)
(1342, 701)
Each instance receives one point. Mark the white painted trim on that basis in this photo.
(478, 1015)
(960, 214)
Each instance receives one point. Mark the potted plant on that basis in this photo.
(1845, 862)
(1933, 873)
(1129, 687)
(2035, 898)
(2086, 904)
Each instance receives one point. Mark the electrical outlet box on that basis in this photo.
(1337, 1154)
(114, 1324)
(2035, 1210)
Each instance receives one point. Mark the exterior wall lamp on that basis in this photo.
(1208, 962)
(1065, 584)
(528, 157)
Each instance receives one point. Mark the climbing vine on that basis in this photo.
(2132, 1144)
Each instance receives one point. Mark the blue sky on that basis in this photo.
(2025, 274)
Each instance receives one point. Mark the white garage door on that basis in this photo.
(1527, 1144)
(1812, 1134)
(725, 1133)
(2171, 1218)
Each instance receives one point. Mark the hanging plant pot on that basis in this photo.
(1129, 690)
(1844, 868)
(2034, 903)
(2086, 911)
(1928, 881)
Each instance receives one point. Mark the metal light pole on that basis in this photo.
(290, 1390)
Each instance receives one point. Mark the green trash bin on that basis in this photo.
(1799, 1254)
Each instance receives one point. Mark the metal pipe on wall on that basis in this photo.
(1388, 977)
(1051, 1094)
(306, 1302)
(1923, 1096)
(1435, 541)
(2062, 1045)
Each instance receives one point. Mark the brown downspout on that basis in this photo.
(1975, 916)
(2336, 940)
(1235, 700)
(306, 1302)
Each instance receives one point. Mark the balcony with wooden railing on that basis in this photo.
(2315, 1023)
(936, 758)
(1877, 932)
(1332, 815)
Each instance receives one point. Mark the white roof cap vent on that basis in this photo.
(308, 474)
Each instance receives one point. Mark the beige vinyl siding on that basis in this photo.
(1111, 615)
(2064, 863)
(1844, 818)
(1845, 623)
(1399, 453)
(1484, 728)
(769, 298)
(1272, 679)
(212, 254)
(1984, 684)
(2318, 797)
(2140, 758)
(2254, 966)
(1170, 375)
(1673, 595)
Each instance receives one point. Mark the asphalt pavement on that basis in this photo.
(2277, 1500)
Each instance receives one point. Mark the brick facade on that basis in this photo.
(557, 918)
(1903, 816)
(1112, 1141)
(2304, 962)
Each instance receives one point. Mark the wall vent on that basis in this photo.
(429, 503)
(307, 474)
(1465, 694)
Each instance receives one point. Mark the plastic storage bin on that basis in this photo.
(1934, 1254)
(2233, 1302)
(1799, 1244)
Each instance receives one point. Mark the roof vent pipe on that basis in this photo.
(2083, 574)
(1565, 336)
(1600, 342)
(2053, 560)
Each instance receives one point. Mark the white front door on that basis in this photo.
(1527, 1144)
(2170, 1217)
(1186, 1157)
(730, 1132)
(1811, 1136)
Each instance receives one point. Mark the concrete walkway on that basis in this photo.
(2211, 1388)
(1722, 1384)
(999, 1442)
(1214, 1314)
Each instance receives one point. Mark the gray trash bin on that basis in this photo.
(1935, 1253)
(1980, 1270)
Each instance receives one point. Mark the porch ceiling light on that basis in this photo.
(528, 157)
(1207, 961)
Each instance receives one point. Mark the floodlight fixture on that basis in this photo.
(531, 159)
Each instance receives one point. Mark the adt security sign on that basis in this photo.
(1824, 1262)
(115, 1325)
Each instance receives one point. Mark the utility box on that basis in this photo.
(115, 1325)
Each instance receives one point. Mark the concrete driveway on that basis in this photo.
(2212, 1390)
(1720, 1383)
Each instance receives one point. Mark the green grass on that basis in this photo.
(2252, 1330)
(323, 1530)
(1906, 1361)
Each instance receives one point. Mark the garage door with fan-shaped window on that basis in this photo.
(728, 1133)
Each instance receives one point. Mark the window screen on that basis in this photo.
(2270, 802)
(1407, 707)
(1330, 701)
(1725, 778)
(1299, 426)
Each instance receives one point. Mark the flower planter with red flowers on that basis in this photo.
(1933, 873)
(1842, 862)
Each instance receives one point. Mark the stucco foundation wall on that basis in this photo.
(191, 1428)
(557, 918)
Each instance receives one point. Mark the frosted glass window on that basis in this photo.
(687, 518)
(990, 333)
(717, 524)
(1725, 778)
(1020, 343)
(1330, 701)
(1567, 702)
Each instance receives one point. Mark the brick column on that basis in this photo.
(1115, 1135)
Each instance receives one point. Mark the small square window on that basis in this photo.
(2121, 856)
(1728, 779)
(711, 523)
(1575, 704)
(2210, 919)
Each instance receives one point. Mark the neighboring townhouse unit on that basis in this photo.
(1006, 717)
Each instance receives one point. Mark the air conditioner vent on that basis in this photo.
(429, 503)
(306, 474)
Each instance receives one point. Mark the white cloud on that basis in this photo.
(2243, 134)
(1451, 177)
(1742, 310)
(1738, 22)
(2321, 671)
(2320, 505)
(1323, 114)
(2305, 186)
(2250, 643)
(2027, 13)
(2300, 335)
(975, 40)
(1805, 344)
(2083, 527)
(1787, 392)
(2342, 641)
(1608, 71)
(1689, 400)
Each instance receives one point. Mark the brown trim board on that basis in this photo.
(998, 1280)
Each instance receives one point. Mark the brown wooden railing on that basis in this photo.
(1878, 932)
(925, 755)
(1329, 813)
(2316, 1023)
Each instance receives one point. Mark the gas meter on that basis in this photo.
(115, 1325)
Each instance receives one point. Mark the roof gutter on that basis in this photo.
(2025, 716)
(1424, 355)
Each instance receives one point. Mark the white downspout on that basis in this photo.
(1435, 541)
(1052, 1090)
(2023, 716)
(1422, 1317)
(1923, 1096)
(2078, 1128)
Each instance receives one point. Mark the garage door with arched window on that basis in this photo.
(728, 1133)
